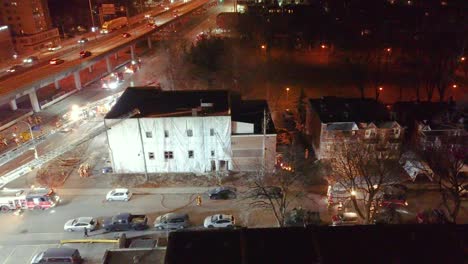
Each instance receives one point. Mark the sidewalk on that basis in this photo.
(137, 191)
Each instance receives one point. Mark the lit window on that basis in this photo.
(166, 133)
(190, 154)
(149, 134)
(151, 155)
(168, 155)
(212, 153)
(189, 132)
(212, 132)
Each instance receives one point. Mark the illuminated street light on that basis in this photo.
(353, 193)
(287, 94)
(323, 46)
(454, 86)
(389, 49)
(263, 47)
(381, 88)
(462, 58)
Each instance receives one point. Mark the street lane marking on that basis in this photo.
(6, 260)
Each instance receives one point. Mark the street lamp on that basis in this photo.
(32, 138)
(287, 94)
(91, 11)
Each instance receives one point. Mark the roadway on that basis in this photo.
(24, 235)
(37, 75)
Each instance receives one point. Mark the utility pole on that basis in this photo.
(92, 13)
(143, 150)
(264, 142)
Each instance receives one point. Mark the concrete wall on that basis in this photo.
(247, 152)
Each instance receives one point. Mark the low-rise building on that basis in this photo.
(189, 131)
(331, 120)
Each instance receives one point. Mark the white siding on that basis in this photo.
(202, 143)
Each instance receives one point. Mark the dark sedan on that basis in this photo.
(222, 193)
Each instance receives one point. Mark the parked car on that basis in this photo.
(54, 48)
(31, 60)
(172, 221)
(126, 35)
(219, 221)
(85, 53)
(273, 192)
(80, 223)
(56, 61)
(119, 194)
(83, 40)
(222, 193)
(107, 170)
(15, 68)
(125, 221)
(58, 255)
(345, 219)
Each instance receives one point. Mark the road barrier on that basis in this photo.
(91, 241)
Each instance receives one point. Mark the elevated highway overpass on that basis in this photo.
(29, 82)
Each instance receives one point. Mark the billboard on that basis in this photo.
(108, 9)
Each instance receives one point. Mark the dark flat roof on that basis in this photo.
(340, 109)
(251, 111)
(152, 102)
(346, 244)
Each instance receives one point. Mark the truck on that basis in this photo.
(124, 222)
(32, 199)
(114, 24)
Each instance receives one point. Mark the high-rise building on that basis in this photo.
(7, 49)
(30, 24)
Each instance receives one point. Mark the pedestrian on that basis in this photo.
(199, 200)
(85, 232)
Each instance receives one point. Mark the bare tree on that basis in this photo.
(446, 160)
(276, 193)
(363, 172)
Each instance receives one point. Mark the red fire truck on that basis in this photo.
(33, 199)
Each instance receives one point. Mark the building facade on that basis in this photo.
(332, 120)
(185, 131)
(30, 24)
(7, 49)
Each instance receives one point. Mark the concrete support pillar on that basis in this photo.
(77, 78)
(90, 68)
(109, 65)
(132, 51)
(57, 84)
(13, 105)
(34, 102)
(149, 42)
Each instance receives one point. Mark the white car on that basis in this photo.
(219, 220)
(54, 48)
(119, 194)
(79, 224)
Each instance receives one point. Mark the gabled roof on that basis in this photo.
(342, 126)
(389, 124)
(339, 109)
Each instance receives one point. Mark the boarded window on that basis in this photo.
(212, 132)
(149, 134)
(189, 132)
(168, 155)
(190, 154)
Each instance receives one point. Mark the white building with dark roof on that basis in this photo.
(188, 131)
